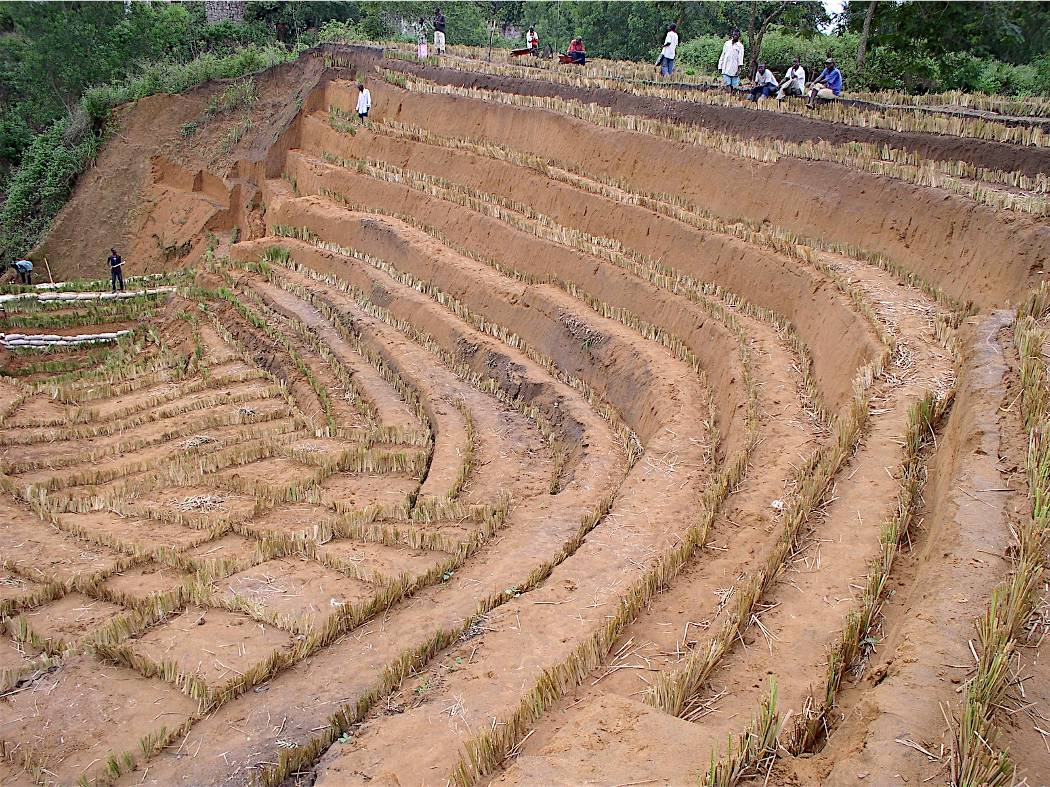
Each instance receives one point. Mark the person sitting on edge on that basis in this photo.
(731, 60)
(24, 269)
(421, 39)
(532, 41)
(765, 83)
(668, 52)
(577, 52)
(827, 86)
(364, 101)
(116, 270)
(439, 32)
(794, 82)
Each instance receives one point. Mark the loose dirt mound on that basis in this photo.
(509, 439)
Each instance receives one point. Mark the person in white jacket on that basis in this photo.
(794, 82)
(364, 101)
(732, 60)
(668, 52)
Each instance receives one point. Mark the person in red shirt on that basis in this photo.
(577, 53)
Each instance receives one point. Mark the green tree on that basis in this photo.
(1012, 32)
(53, 52)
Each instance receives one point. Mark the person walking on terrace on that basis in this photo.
(24, 269)
(668, 52)
(827, 86)
(116, 270)
(731, 60)
(794, 81)
(439, 32)
(765, 83)
(364, 101)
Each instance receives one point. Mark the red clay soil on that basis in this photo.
(801, 616)
(439, 512)
(155, 226)
(958, 558)
(792, 291)
(750, 122)
(971, 251)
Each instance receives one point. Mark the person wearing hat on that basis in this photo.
(826, 86)
(731, 60)
(765, 83)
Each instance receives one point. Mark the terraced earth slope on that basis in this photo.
(539, 430)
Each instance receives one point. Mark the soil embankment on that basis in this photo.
(490, 442)
(746, 121)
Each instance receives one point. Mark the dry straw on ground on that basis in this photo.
(953, 176)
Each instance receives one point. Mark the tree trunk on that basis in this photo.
(492, 29)
(755, 37)
(862, 44)
(752, 59)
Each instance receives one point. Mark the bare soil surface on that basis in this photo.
(478, 425)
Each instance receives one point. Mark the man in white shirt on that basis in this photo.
(668, 52)
(731, 60)
(364, 101)
(794, 82)
(765, 83)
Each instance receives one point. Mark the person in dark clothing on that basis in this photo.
(439, 32)
(116, 270)
(24, 269)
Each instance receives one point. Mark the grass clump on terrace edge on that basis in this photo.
(979, 184)
(977, 754)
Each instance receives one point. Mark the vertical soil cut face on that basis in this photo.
(503, 439)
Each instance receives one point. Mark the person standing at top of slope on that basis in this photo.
(668, 52)
(364, 101)
(731, 60)
(439, 32)
(532, 39)
(421, 38)
(116, 270)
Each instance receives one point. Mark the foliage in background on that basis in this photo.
(42, 184)
(49, 166)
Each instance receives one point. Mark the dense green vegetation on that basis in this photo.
(65, 65)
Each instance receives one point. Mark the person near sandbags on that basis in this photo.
(24, 269)
(116, 270)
